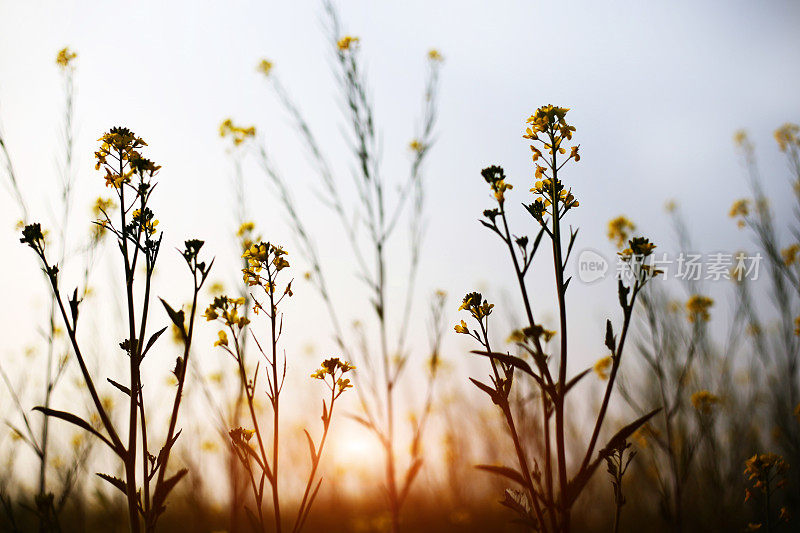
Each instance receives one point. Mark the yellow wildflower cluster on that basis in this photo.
(788, 137)
(334, 368)
(535, 332)
(100, 210)
(122, 146)
(619, 230)
(704, 401)
(246, 234)
(496, 178)
(548, 127)
(602, 366)
(264, 256)
(476, 305)
(739, 210)
(65, 57)
(347, 42)
(740, 138)
(762, 470)
(241, 435)
(435, 55)
(697, 307)
(239, 134)
(265, 67)
(549, 120)
(638, 247)
(791, 254)
(416, 146)
(226, 310)
(145, 220)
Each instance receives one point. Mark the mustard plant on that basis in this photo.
(48, 503)
(127, 171)
(549, 489)
(265, 262)
(370, 228)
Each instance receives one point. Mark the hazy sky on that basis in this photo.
(657, 90)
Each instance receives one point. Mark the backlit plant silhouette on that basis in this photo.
(130, 175)
(549, 489)
(50, 502)
(370, 229)
(265, 262)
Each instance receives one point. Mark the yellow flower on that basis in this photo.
(704, 401)
(245, 228)
(791, 254)
(241, 435)
(416, 146)
(602, 366)
(264, 67)
(787, 136)
(619, 229)
(697, 306)
(740, 209)
(462, 328)
(64, 57)
(239, 134)
(740, 138)
(223, 339)
(345, 43)
(476, 305)
(343, 384)
(434, 55)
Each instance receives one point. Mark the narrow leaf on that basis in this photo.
(504, 471)
(311, 448)
(76, 420)
(117, 482)
(153, 338)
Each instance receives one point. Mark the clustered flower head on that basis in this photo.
(546, 195)
(602, 366)
(531, 332)
(435, 55)
(739, 210)
(144, 220)
(762, 470)
(264, 256)
(226, 310)
(120, 157)
(697, 308)
(550, 121)
(334, 368)
(347, 43)
(791, 254)
(241, 435)
(788, 137)
(246, 235)
(619, 230)
(476, 305)
(101, 208)
(638, 247)
(704, 401)
(496, 178)
(65, 57)
(416, 146)
(265, 67)
(239, 134)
